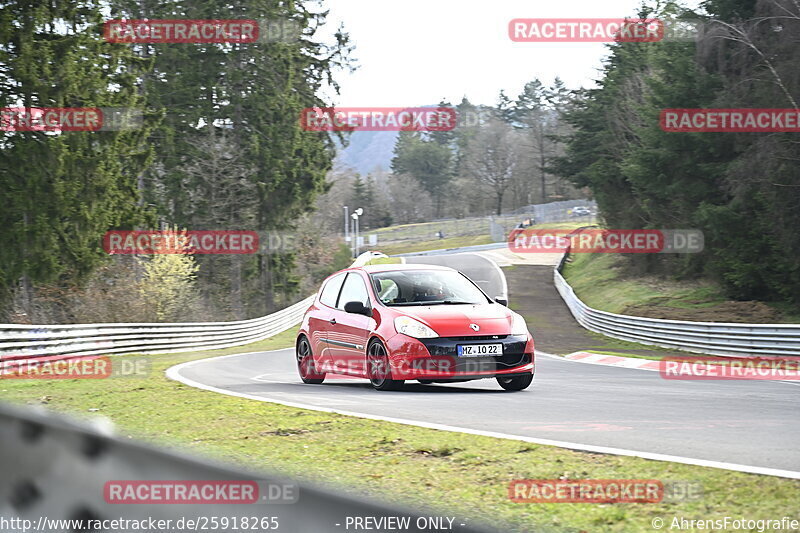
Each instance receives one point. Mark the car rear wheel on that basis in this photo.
(515, 383)
(380, 374)
(305, 364)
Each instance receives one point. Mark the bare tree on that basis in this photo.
(408, 201)
(783, 17)
(218, 185)
(493, 158)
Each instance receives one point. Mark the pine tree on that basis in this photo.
(62, 191)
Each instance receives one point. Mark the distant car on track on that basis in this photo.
(397, 322)
(520, 228)
(581, 211)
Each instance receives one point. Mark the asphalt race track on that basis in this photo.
(746, 423)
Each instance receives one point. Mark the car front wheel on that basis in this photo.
(515, 383)
(380, 375)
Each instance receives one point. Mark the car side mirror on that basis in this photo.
(357, 308)
(502, 301)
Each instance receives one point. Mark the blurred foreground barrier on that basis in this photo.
(58, 475)
(716, 338)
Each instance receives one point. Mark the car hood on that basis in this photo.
(455, 320)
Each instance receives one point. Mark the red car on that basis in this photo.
(392, 323)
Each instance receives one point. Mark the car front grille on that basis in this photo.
(513, 352)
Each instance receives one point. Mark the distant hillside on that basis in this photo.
(368, 150)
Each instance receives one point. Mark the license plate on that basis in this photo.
(479, 350)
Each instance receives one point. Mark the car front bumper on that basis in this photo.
(437, 359)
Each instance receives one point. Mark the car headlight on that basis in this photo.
(413, 328)
(518, 326)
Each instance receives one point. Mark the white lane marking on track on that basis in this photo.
(325, 400)
(174, 374)
(261, 378)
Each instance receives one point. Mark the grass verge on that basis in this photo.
(457, 242)
(424, 246)
(601, 281)
(456, 473)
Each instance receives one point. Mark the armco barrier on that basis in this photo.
(22, 342)
(716, 338)
(51, 342)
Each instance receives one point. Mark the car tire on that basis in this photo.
(305, 363)
(515, 383)
(380, 373)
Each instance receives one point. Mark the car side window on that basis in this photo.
(354, 290)
(387, 290)
(331, 290)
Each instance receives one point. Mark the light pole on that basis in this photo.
(346, 224)
(357, 213)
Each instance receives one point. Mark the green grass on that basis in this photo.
(453, 472)
(596, 280)
(560, 225)
(384, 261)
(456, 242)
(601, 282)
(424, 246)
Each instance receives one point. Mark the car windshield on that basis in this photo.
(426, 287)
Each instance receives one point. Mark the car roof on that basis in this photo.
(371, 269)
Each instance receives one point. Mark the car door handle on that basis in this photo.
(332, 321)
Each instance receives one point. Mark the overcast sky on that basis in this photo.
(416, 52)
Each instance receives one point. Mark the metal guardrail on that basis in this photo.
(22, 342)
(715, 338)
(495, 225)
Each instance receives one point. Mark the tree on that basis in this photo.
(494, 158)
(739, 189)
(168, 285)
(427, 161)
(62, 191)
(445, 137)
(251, 95)
(530, 113)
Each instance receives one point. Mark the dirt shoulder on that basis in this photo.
(533, 295)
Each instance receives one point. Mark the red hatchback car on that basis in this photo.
(391, 323)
